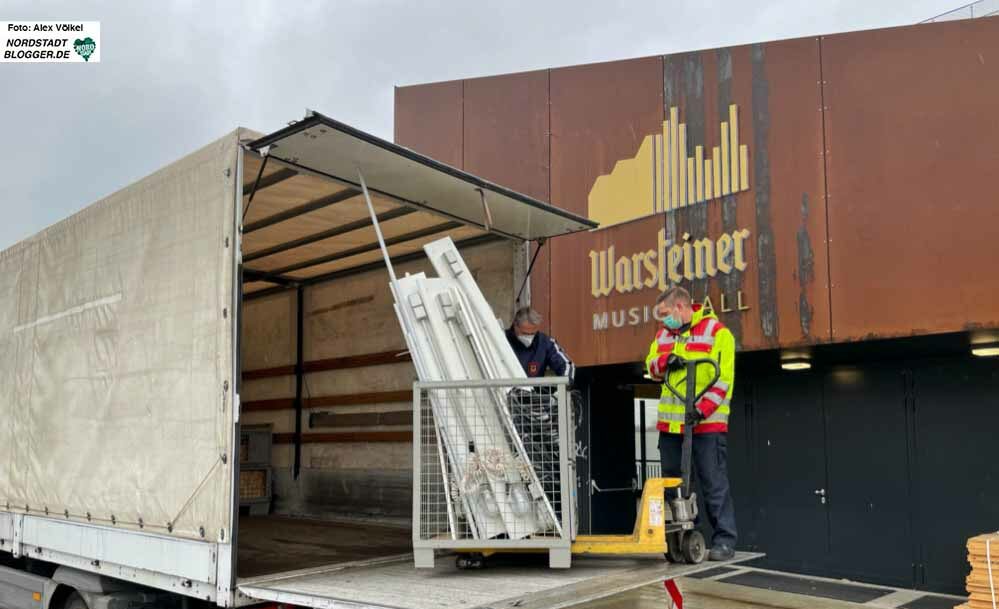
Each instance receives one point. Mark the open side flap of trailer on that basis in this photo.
(306, 221)
(323, 145)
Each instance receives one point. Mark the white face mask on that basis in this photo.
(527, 339)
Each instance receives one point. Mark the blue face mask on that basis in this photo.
(672, 322)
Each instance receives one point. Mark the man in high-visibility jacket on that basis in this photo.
(690, 332)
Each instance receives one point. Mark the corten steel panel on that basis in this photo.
(428, 120)
(506, 141)
(912, 128)
(775, 87)
(506, 131)
(787, 74)
(599, 114)
(602, 114)
(573, 306)
(702, 86)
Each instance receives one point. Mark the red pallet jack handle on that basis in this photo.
(676, 599)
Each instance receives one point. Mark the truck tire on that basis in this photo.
(75, 601)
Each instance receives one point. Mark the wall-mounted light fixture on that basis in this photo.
(985, 349)
(795, 361)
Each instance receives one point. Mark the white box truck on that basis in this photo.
(123, 331)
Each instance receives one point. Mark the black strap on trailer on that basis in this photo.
(253, 191)
(527, 277)
(299, 377)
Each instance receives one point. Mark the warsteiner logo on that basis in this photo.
(85, 48)
(662, 178)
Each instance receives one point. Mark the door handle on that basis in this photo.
(821, 492)
(594, 488)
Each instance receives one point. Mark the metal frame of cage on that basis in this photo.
(437, 502)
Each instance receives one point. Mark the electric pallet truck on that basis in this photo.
(664, 527)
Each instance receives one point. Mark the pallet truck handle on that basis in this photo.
(692, 368)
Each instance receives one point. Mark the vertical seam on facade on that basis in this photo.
(825, 184)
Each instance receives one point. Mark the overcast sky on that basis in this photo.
(175, 75)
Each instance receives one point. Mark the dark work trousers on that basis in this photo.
(710, 461)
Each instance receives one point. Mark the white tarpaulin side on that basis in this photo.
(115, 345)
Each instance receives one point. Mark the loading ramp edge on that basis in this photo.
(557, 596)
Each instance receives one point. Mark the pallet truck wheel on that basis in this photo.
(694, 549)
(674, 547)
(470, 561)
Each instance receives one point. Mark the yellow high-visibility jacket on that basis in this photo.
(705, 337)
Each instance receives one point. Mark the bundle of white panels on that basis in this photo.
(453, 335)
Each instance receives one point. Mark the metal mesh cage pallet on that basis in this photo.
(253, 485)
(493, 468)
(255, 444)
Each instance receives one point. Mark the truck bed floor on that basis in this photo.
(274, 544)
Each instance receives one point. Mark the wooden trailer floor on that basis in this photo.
(273, 544)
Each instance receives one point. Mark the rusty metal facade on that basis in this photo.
(429, 119)
(506, 122)
(913, 133)
(599, 114)
(869, 158)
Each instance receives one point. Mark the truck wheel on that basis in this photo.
(75, 601)
(694, 549)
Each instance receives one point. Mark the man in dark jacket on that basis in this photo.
(535, 413)
(536, 350)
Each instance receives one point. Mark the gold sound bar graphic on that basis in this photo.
(670, 144)
(699, 167)
(657, 176)
(679, 180)
(683, 165)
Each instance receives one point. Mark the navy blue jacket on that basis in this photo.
(544, 353)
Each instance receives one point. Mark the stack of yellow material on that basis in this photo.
(983, 583)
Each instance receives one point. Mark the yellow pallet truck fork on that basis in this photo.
(661, 527)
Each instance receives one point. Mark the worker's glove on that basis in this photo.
(694, 417)
(675, 362)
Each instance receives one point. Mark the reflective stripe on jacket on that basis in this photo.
(706, 337)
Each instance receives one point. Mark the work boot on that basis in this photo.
(721, 552)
